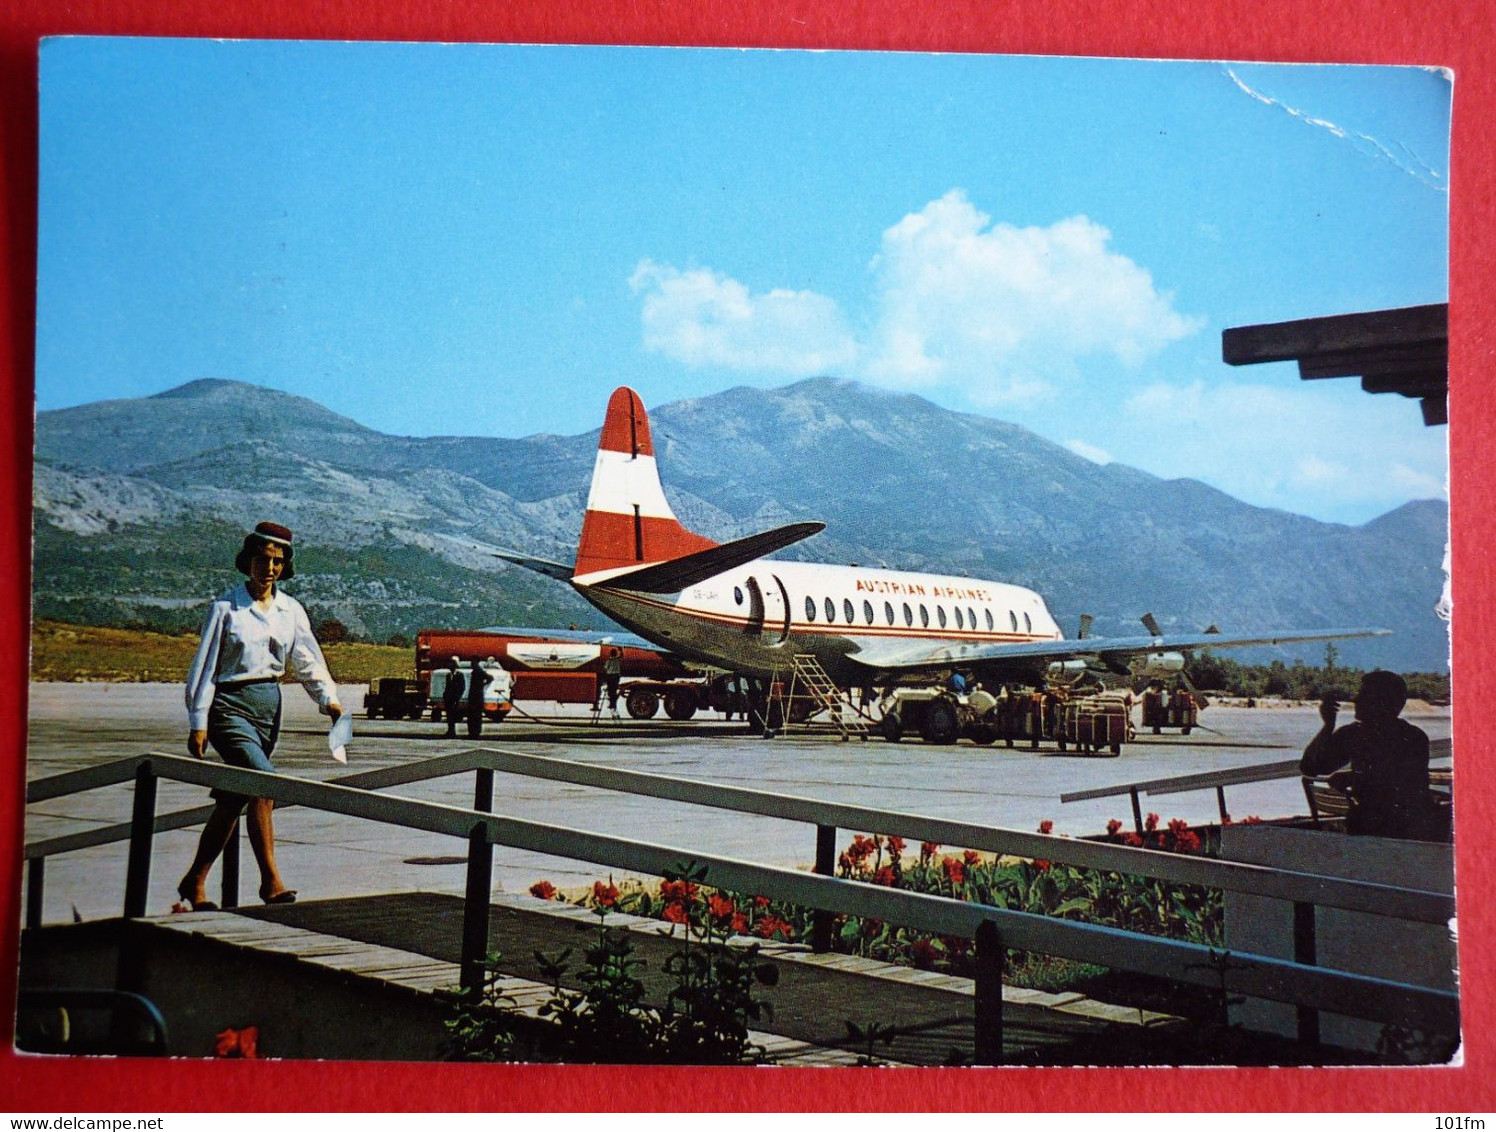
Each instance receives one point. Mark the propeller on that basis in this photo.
(1150, 623)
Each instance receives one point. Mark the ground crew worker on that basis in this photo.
(452, 697)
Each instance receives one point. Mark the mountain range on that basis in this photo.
(140, 505)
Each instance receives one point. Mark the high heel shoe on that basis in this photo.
(196, 905)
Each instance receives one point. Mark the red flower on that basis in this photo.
(928, 849)
(771, 926)
(720, 907)
(923, 952)
(1112, 827)
(543, 889)
(1134, 840)
(238, 1043)
(844, 863)
(739, 923)
(886, 877)
(761, 901)
(1151, 822)
(1251, 819)
(1188, 841)
(675, 913)
(895, 845)
(1178, 826)
(679, 890)
(861, 849)
(604, 895)
(972, 858)
(1041, 866)
(955, 871)
(955, 945)
(1046, 826)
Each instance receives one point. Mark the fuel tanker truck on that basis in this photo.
(567, 666)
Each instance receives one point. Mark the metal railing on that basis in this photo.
(993, 929)
(1216, 780)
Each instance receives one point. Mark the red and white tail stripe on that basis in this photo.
(628, 522)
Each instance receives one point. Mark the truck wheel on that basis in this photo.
(1116, 748)
(680, 704)
(373, 711)
(1185, 729)
(415, 711)
(891, 727)
(641, 703)
(940, 725)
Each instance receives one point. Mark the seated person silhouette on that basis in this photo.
(1388, 760)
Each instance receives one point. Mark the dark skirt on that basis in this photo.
(243, 726)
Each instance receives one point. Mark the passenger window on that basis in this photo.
(1028, 625)
(940, 615)
(990, 626)
(888, 612)
(960, 624)
(847, 611)
(1013, 617)
(830, 611)
(908, 615)
(810, 609)
(737, 594)
(867, 612)
(971, 617)
(924, 615)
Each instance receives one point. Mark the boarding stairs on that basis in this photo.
(809, 680)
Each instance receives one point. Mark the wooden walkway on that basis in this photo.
(414, 940)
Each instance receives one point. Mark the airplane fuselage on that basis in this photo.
(754, 618)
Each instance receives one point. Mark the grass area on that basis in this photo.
(84, 653)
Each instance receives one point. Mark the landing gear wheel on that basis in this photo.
(891, 727)
(984, 735)
(642, 703)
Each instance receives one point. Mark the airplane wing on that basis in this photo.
(539, 565)
(1113, 652)
(676, 574)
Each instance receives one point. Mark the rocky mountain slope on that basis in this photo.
(140, 504)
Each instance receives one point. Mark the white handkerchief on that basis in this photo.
(340, 736)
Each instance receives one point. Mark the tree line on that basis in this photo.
(1300, 681)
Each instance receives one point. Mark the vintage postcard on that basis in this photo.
(811, 559)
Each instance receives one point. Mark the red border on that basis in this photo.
(1362, 31)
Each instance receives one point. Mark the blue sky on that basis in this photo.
(469, 240)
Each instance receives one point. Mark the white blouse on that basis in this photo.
(241, 642)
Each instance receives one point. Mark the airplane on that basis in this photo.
(729, 606)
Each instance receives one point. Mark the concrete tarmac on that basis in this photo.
(327, 855)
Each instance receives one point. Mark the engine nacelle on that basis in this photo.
(1067, 671)
(1160, 664)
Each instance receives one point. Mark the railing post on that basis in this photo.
(230, 898)
(989, 995)
(1221, 802)
(142, 827)
(475, 910)
(1305, 950)
(483, 790)
(821, 921)
(1137, 810)
(35, 880)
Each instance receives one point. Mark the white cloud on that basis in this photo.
(703, 318)
(1332, 453)
(1089, 451)
(996, 309)
(999, 313)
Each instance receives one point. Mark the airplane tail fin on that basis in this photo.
(628, 522)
